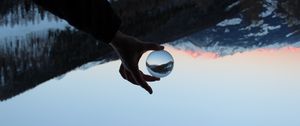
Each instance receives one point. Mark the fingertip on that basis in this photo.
(151, 93)
(154, 46)
(148, 89)
(159, 47)
(162, 47)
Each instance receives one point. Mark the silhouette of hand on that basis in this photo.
(130, 50)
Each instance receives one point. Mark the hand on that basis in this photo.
(130, 50)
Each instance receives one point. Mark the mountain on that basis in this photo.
(162, 69)
(273, 28)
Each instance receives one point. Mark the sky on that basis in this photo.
(254, 88)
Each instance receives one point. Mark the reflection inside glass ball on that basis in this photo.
(160, 63)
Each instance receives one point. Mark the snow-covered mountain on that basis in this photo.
(237, 34)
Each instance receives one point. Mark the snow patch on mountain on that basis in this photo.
(271, 6)
(190, 47)
(232, 5)
(228, 22)
(282, 45)
(254, 24)
(265, 29)
(227, 30)
(292, 33)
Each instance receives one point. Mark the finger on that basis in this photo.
(126, 75)
(146, 77)
(137, 76)
(153, 46)
(130, 78)
(147, 88)
(151, 78)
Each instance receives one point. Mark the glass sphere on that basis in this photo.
(160, 63)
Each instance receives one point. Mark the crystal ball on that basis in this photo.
(160, 63)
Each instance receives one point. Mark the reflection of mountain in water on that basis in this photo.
(161, 69)
(34, 59)
(45, 51)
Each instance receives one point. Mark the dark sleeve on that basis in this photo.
(95, 17)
